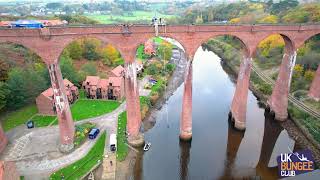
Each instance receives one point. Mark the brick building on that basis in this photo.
(45, 101)
(111, 88)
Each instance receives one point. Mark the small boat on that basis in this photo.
(147, 146)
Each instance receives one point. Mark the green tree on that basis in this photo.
(4, 67)
(4, 92)
(24, 85)
(68, 70)
(91, 49)
(75, 50)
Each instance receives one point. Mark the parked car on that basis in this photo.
(94, 133)
(30, 124)
(113, 142)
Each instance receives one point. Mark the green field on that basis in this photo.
(82, 166)
(122, 148)
(13, 119)
(135, 16)
(42, 121)
(84, 109)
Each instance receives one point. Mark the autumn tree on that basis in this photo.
(165, 50)
(109, 55)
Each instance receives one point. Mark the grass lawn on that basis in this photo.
(136, 15)
(43, 121)
(84, 109)
(16, 118)
(122, 148)
(82, 166)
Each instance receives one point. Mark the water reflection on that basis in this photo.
(217, 150)
(184, 159)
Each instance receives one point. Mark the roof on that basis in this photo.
(26, 22)
(5, 23)
(103, 83)
(54, 22)
(66, 82)
(116, 81)
(118, 71)
(139, 62)
(93, 80)
(48, 93)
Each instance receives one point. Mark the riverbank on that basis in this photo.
(231, 60)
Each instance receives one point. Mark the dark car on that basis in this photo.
(94, 133)
(30, 124)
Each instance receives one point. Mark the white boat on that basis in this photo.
(147, 146)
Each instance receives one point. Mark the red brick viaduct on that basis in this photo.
(49, 43)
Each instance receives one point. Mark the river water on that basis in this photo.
(217, 151)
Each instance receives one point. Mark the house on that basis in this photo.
(117, 72)
(71, 90)
(116, 88)
(149, 48)
(111, 88)
(5, 23)
(91, 85)
(45, 101)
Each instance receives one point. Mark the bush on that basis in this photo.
(170, 67)
(89, 69)
(265, 88)
(81, 132)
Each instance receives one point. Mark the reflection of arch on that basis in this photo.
(233, 144)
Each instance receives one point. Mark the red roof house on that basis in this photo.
(45, 101)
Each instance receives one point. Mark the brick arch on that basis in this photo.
(149, 36)
(288, 39)
(306, 38)
(64, 42)
(26, 45)
(244, 42)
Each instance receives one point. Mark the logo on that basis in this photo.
(295, 163)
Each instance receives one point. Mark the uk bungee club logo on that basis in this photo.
(295, 163)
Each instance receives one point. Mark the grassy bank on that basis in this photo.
(82, 109)
(122, 148)
(13, 119)
(79, 168)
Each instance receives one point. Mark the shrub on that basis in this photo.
(265, 88)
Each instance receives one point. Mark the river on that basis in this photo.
(217, 151)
